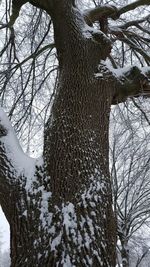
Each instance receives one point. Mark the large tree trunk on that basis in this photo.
(63, 216)
(76, 156)
(60, 214)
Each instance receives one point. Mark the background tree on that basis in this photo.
(0, 251)
(130, 168)
(4, 255)
(140, 253)
(60, 207)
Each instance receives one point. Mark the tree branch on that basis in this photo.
(141, 110)
(132, 83)
(134, 22)
(17, 170)
(128, 38)
(16, 6)
(10, 144)
(13, 162)
(110, 11)
(100, 12)
(34, 55)
(133, 5)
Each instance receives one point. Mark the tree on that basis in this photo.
(60, 207)
(4, 255)
(129, 157)
(140, 255)
(0, 251)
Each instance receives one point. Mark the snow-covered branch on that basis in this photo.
(15, 165)
(18, 172)
(110, 11)
(11, 146)
(132, 82)
(100, 12)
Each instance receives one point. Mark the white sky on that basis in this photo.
(4, 232)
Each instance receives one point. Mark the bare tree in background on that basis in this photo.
(59, 207)
(0, 251)
(130, 169)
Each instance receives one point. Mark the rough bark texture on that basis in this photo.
(61, 215)
(77, 226)
(76, 146)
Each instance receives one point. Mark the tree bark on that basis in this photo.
(76, 146)
(124, 254)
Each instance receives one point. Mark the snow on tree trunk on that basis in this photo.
(76, 156)
(60, 212)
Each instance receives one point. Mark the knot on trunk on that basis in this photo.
(3, 131)
(104, 43)
(138, 77)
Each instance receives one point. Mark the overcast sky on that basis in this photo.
(4, 231)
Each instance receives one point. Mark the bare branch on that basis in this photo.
(34, 55)
(142, 111)
(101, 12)
(16, 6)
(128, 37)
(134, 22)
(98, 13)
(133, 5)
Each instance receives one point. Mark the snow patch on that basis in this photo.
(66, 262)
(23, 164)
(69, 217)
(56, 241)
(119, 72)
